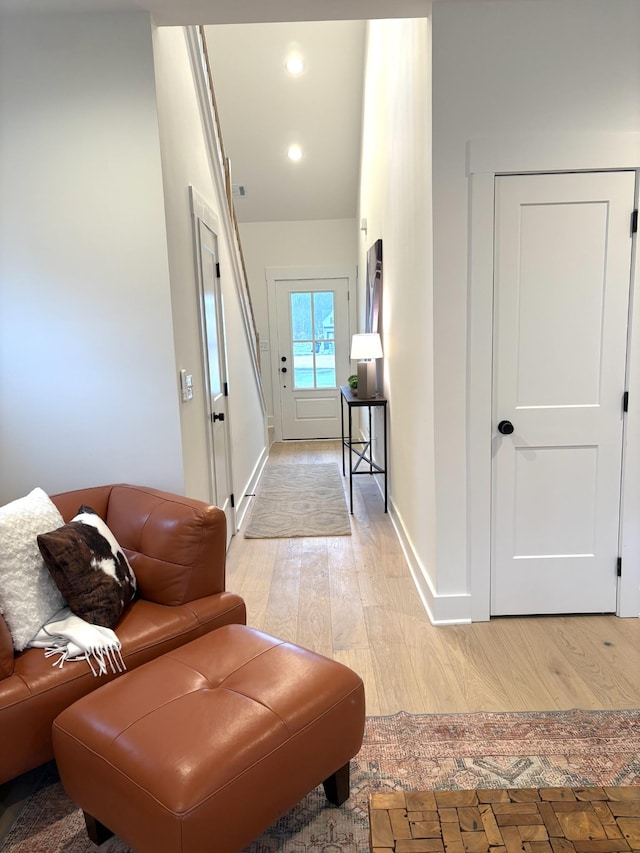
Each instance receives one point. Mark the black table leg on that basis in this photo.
(350, 463)
(342, 429)
(384, 413)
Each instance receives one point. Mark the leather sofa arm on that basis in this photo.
(176, 545)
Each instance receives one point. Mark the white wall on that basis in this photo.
(395, 198)
(520, 72)
(291, 244)
(87, 371)
(185, 163)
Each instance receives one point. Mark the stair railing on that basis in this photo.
(203, 77)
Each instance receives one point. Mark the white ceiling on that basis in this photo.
(262, 108)
(182, 12)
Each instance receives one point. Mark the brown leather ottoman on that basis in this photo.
(205, 747)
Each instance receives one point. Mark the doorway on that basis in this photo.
(311, 326)
(211, 312)
(561, 297)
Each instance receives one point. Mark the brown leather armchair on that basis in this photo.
(177, 549)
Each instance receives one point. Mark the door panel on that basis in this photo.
(313, 355)
(559, 299)
(556, 501)
(562, 273)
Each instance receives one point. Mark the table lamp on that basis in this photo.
(365, 349)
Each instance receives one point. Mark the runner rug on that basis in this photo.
(299, 500)
(400, 752)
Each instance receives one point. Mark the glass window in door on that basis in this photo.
(313, 340)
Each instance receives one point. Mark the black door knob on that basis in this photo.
(284, 369)
(505, 427)
(283, 358)
(217, 417)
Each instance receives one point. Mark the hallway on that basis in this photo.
(352, 598)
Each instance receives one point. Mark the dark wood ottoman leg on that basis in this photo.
(97, 832)
(336, 787)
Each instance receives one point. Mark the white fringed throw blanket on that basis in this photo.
(70, 638)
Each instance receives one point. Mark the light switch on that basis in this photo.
(186, 385)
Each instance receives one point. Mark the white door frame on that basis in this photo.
(201, 212)
(276, 274)
(487, 158)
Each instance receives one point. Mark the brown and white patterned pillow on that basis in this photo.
(89, 568)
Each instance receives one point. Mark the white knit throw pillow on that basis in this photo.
(28, 595)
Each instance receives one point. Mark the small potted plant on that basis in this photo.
(353, 384)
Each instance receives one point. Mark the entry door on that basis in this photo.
(313, 355)
(214, 350)
(562, 273)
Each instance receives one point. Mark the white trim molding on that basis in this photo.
(453, 609)
(242, 508)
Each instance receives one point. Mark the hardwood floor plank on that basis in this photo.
(513, 676)
(438, 685)
(281, 612)
(622, 635)
(611, 673)
(397, 687)
(477, 672)
(360, 661)
(347, 618)
(250, 565)
(568, 686)
(314, 612)
(353, 598)
(374, 589)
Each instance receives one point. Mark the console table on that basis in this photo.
(362, 449)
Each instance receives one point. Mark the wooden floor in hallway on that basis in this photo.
(352, 598)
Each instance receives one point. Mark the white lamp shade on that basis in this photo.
(366, 346)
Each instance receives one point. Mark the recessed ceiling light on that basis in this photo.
(294, 153)
(295, 64)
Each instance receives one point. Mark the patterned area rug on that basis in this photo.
(401, 752)
(299, 500)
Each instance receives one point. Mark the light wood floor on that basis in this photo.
(352, 598)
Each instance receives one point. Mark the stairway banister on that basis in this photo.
(221, 172)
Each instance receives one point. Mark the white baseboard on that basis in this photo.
(441, 609)
(245, 501)
(452, 609)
